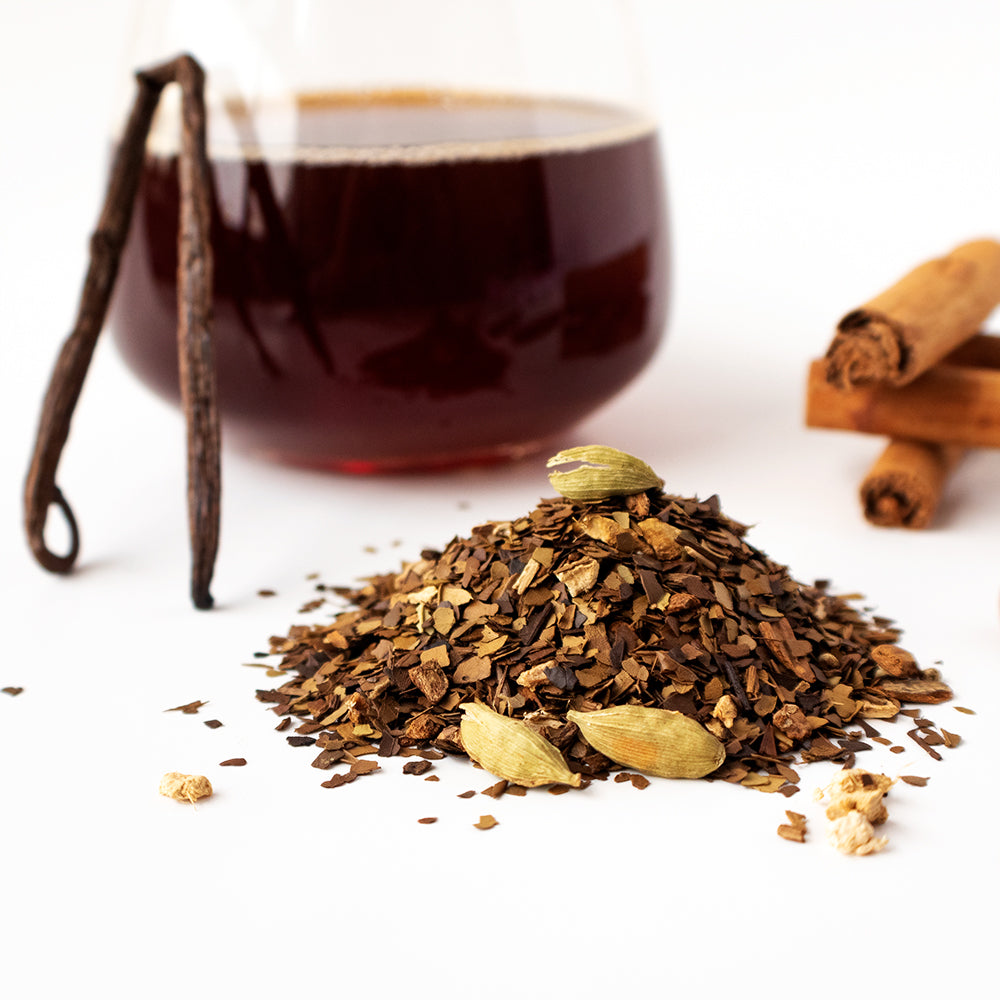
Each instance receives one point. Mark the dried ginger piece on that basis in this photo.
(853, 834)
(855, 808)
(185, 787)
(852, 780)
(869, 803)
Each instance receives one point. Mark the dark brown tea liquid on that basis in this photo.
(415, 280)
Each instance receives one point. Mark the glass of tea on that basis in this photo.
(438, 226)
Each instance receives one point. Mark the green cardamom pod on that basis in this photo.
(660, 742)
(603, 472)
(509, 749)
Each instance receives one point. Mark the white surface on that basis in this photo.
(816, 152)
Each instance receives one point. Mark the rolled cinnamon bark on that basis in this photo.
(950, 404)
(904, 486)
(912, 325)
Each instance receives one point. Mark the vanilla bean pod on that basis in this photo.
(194, 333)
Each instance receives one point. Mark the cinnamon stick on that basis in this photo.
(911, 326)
(950, 404)
(903, 488)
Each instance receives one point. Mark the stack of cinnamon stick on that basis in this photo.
(913, 366)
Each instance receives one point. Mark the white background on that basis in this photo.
(816, 151)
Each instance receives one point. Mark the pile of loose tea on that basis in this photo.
(649, 599)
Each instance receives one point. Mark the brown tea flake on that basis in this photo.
(426, 820)
(339, 779)
(189, 709)
(12, 691)
(950, 739)
(895, 661)
(185, 787)
(466, 795)
(417, 767)
(486, 822)
(233, 762)
(915, 689)
(912, 779)
(795, 828)
(964, 710)
(213, 723)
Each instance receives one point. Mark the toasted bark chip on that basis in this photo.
(417, 767)
(189, 709)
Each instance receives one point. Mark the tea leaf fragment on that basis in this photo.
(655, 740)
(603, 472)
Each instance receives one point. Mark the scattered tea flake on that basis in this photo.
(300, 741)
(190, 708)
(361, 767)
(912, 779)
(417, 767)
(427, 820)
(895, 661)
(964, 710)
(213, 723)
(897, 749)
(639, 781)
(950, 739)
(486, 822)
(922, 741)
(267, 592)
(559, 789)
(339, 779)
(497, 790)
(466, 795)
(233, 762)
(325, 759)
(12, 691)
(284, 724)
(795, 828)
(185, 787)
(432, 777)
(915, 689)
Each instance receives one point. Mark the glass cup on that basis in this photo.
(438, 227)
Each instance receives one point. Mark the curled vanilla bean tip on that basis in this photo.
(201, 597)
(37, 519)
